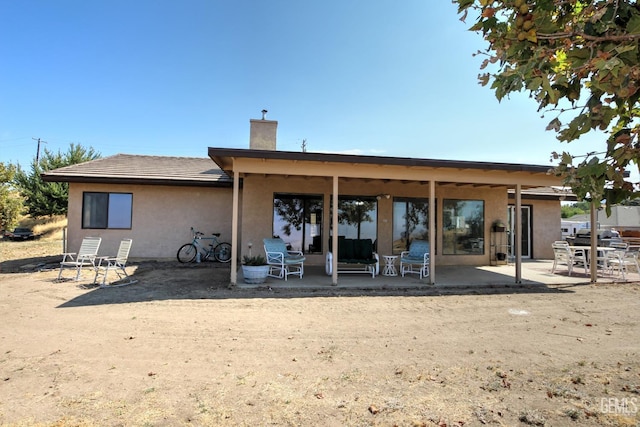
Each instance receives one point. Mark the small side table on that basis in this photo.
(389, 265)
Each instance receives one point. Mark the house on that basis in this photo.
(249, 194)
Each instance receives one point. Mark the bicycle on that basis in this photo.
(189, 252)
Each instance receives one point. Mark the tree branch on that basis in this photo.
(573, 34)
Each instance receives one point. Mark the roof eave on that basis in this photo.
(136, 181)
(220, 155)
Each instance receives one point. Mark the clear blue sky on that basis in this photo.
(388, 78)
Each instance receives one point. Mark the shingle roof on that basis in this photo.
(140, 169)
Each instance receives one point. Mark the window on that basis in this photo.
(297, 219)
(463, 231)
(410, 221)
(358, 218)
(107, 210)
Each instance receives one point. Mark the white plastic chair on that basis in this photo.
(116, 264)
(85, 257)
(621, 260)
(563, 254)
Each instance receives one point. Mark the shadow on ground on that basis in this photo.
(158, 281)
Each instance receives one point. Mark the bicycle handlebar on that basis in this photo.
(198, 234)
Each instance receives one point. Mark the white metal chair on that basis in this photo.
(116, 264)
(416, 256)
(282, 261)
(85, 257)
(563, 254)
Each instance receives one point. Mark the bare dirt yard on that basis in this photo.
(179, 348)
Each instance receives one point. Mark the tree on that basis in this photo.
(291, 210)
(11, 204)
(580, 61)
(50, 198)
(355, 212)
(581, 208)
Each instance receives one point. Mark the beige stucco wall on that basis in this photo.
(258, 191)
(162, 217)
(545, 222)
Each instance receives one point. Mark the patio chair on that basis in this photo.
(283, 262)
(85, 257)
(416, 256)
(621, 260)
(563, 254)
(116, 264)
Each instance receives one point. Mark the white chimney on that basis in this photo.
(263, 133)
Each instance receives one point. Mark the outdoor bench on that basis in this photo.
(354, 256)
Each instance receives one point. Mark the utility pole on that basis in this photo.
(304, 145)
(38, 151)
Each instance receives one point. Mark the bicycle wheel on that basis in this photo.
(187, 252)
(222, 252)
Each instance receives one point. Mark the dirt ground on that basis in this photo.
(179, 348)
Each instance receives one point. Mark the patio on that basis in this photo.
(535, 273)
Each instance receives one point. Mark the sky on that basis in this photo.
(172, 78)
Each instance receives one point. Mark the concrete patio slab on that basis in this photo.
(535, 273)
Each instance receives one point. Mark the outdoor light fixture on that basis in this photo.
(380, 196)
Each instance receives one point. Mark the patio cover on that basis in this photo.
(238, 163)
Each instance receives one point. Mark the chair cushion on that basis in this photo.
(275, 245)
(345, 249)
(294, 259)
(418, 248)
(363, 249)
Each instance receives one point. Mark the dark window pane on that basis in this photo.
(94, 210)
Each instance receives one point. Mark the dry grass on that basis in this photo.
(48, 244)
(47, 227)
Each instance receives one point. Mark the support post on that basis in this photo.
(234, 228)
(432, 232)
(593, 261)
(517, 241)
(334, 240)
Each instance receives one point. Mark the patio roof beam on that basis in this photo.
(412, 173)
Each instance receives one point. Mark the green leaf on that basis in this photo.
(633, 26)
(626, 47)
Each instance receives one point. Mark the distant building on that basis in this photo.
(624, 219)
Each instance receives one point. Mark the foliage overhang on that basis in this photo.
(579, 60)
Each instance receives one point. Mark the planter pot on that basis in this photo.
(501, 256)
(254, 274)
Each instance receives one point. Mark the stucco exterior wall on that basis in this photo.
(257, 220)
(162, 217)
(545, 222)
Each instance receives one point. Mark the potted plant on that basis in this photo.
(498, 226)
(254, 269)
